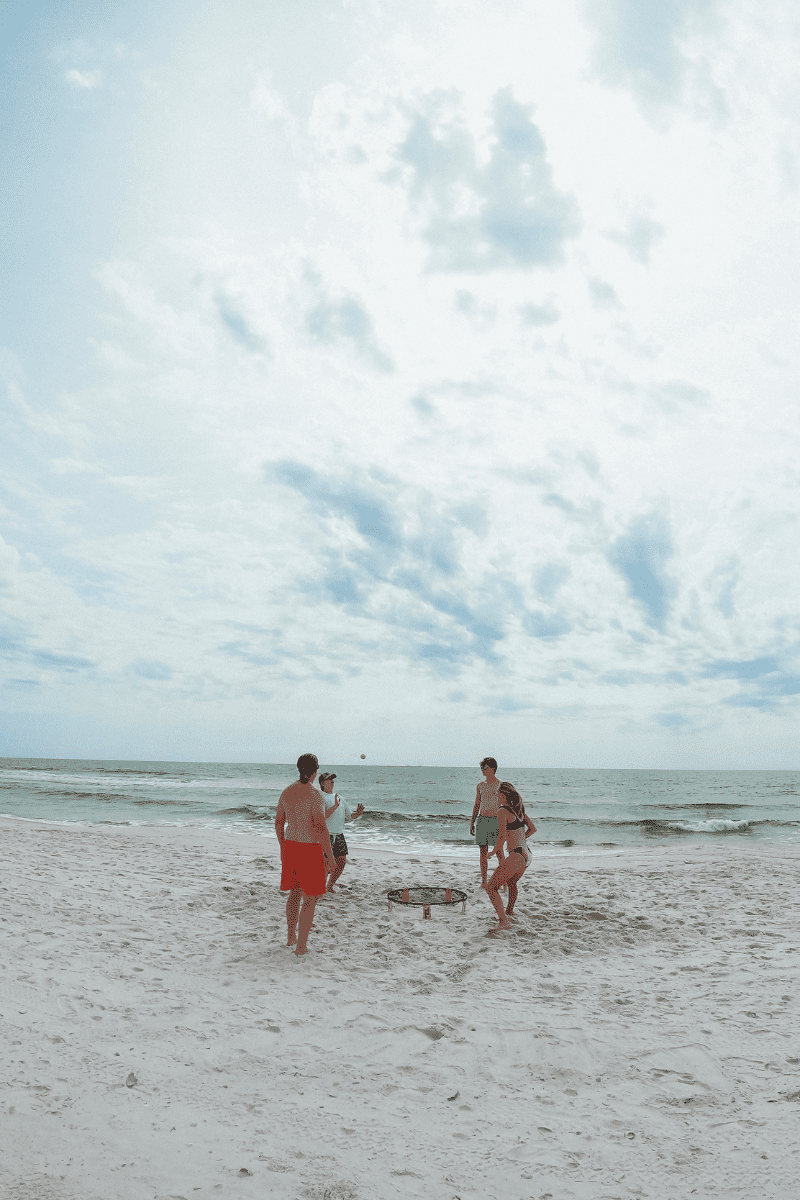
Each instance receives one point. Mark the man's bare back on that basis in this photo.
(301, 816)
(300, 828)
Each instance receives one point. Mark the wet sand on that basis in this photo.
(636, 1036)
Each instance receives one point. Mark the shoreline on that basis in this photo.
(635, 1035)
(712, 842)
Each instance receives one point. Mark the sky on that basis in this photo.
(418, 381)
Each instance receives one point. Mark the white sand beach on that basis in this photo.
(637, 1036)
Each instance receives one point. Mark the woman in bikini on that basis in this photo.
(515, 827)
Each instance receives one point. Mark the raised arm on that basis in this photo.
(332, 809)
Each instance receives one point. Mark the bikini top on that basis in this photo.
(512, 824)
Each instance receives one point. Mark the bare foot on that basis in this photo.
(301, 950)
(291, 942)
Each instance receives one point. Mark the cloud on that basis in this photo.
(504, 214)
(509, 704)
(549, 578)
(639, 44)
(88, 80)
(468, 304)
(641, 556)
(602, 294)
(151, 669)
(347, 321)
(764, 681)
(539, 314)
(673, 720)
(725, 579)
(15, 648)
(367, 506)
(424, 407)
(543, 625)
(404, 565)
(639, 237)
(675, 394)
(747, 669)
(237, 326)
(265, 100)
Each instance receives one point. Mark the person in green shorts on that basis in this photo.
(484, 826)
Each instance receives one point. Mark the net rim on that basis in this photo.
(396, 895)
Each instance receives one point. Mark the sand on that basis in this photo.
(636, 1036)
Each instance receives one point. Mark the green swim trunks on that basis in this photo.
(487, 831)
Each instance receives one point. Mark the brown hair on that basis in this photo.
(307, 765)
(514, 800)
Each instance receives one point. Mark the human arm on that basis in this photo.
(475, 810)
(501, 837)
(531, 827)
(357, 812)
(321, 833)
(332, 809)
(280, 822)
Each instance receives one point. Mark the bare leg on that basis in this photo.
(512, 897)
(306, 917)
(341, 863)
(507, 873)
(501, 858)
(493, 892)
(484, 864)
(502, 920)
(292, 913)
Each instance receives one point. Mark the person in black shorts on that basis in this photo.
(335, 817)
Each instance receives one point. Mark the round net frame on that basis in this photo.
(426, 896)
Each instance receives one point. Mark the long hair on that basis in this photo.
(513, 799)
(307, 765)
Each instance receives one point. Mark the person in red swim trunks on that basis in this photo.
(305, 850)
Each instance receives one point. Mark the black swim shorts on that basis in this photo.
(339, 846)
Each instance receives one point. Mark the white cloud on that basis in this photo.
(264, 99)
(88, 80)
(305, 476)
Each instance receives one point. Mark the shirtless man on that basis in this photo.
(305, 850)
(485, 812)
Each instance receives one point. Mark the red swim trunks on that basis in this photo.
(303, 866)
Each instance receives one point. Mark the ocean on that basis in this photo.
(410, 809)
